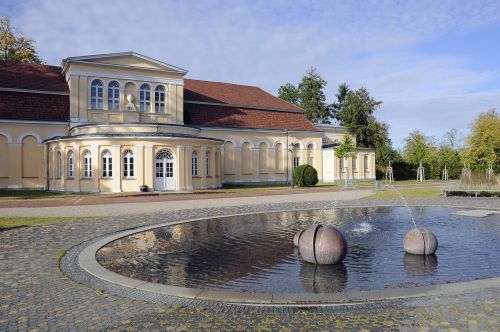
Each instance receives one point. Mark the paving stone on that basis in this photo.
(35, 294)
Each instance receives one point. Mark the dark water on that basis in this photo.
(255, 253)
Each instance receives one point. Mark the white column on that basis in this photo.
(189, 168)
(139, 164)
(203, 167)
(213, 171)
(116, 167)
(181, 168)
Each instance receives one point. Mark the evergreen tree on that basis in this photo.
(14, 47)
(309, 95)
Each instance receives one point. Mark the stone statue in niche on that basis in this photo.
(130, 102)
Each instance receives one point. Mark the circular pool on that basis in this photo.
(255, 253)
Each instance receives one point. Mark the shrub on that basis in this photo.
(305, 176)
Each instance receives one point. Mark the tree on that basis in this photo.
(309, 95)
(14, 47)
(354, 110)
(418, 149)
(450, 138)
(345, 150)
(289, 93)
(483, 141)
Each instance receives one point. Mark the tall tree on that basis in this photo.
(309, 95)
(14, 47)
(484, 140)
(354, 110)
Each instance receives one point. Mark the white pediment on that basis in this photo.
(125, 59)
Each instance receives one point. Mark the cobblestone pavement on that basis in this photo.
(37, 295)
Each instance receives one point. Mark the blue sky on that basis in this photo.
(434, 64)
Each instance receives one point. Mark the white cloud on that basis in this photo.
(267, 43)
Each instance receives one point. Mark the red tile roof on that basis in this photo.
(33, 106)
(30, 76)
(247, 106)
(234, 117)
(234, 94)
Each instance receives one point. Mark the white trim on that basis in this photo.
(302, 147)
(7, 135)
(29, 133)
(315, 147)
(150, 79)
(65, 62)
(280, 142)
(266, 142)
(14, 186)
(138, 137)
(43, 92)
(246, 140)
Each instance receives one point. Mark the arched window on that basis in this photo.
(113, 96)
(59, 164)
(207, 162)
(228, 158)
(96, 95)
(71, 165)
(145, 97)
(128, 164)
(160, 99)
(87, 164)
(107, 164)
(194, 164)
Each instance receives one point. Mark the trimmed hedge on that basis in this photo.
(305, 176)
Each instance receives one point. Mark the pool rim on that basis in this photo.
(86, 259)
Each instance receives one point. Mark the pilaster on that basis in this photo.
(203, 166)
(181, 167)
(116, 167)
(189, 168)
(149, 164)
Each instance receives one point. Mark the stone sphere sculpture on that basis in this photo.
(296, 238)
(420, 242)
(322, 244)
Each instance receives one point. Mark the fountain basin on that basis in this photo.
(254, 253)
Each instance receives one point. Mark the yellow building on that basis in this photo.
(116, 122)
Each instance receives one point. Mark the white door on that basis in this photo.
(164, 171)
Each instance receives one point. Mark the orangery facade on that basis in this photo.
(124, 122)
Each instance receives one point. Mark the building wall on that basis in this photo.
(263, 156)
(81, 75)
(22, 162)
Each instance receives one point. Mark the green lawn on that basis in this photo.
(6, 194)
(14, 222)
(427, 192)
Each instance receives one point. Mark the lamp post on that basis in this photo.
(291, 148)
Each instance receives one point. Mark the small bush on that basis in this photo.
(305, 176)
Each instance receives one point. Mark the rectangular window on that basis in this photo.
(70, 167)
(207, 161)
(296, 161)
(169, 169)
(194, 165)
(107, 167)
(87, 167)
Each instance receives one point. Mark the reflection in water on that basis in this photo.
(256, 252)
(317, 278)
(419, 265)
